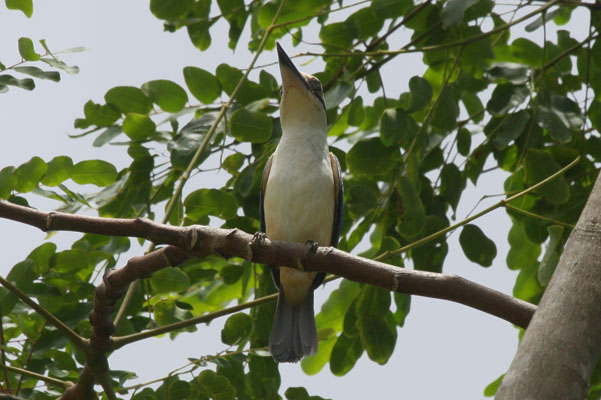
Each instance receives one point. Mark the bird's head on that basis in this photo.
(302, 100)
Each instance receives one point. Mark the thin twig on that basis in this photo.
(537, 216)
(47, 379)
(502, 203)
(77, 340)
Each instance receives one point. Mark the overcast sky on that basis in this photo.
(445, 350)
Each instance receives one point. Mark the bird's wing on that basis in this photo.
(338, 209)
(266, 172)
(339, 200)
(275, 273)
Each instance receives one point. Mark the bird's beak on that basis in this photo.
(291, 77)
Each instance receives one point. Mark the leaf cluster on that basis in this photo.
(485, 101)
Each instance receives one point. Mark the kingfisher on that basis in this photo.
(301, 201)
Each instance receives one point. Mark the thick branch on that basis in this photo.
(201, 241)
(105, 296)
(558, 353)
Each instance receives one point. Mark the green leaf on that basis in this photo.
(179, 389)
(41, 256)
(413, 217)
(215, 202)
(251, 126)
(373, 301)
(337, 94)
(377, 337)
(446, 111)
(511, 128)
(213, 386)
(236, 328)
(510, 72)
(361, 199)
(356, 112)
(24, 5)
(138, 126)
(27, 84)
(129, 99)
(370, 156)
(26, 49)
(522, 252)
(229, 77)
(464, 142)
(453, 11)
(397, 127)
(29, 174)
(100, 115)
(491, 389)
(473, 105)
(421, 93)
(403, 305)
(202, 84)
(166, 94)
(336, 34)
(59, 170)
(233, 163)
(8, 180)
(365, 23)
(38, 73)
(542, 19)
(235, 13)
(300, 393)
(551, 257)
(477, 247)
(169, 280)
(107, 135)
(170, 9)
(539, 165)
(526, 286)
(505, 97)
(346, 352)
(95, 172)
(451, 184)
(70, 69)
(72, 260)
(527, 52)
(558, 115)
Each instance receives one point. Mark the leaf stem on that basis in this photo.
(537, 216)
(77, 340)
(47, 379)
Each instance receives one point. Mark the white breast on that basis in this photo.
(299, 197)
(299, 203)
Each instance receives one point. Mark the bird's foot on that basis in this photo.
(258, 239)
(314, 246)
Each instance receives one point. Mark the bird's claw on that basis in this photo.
(314, 246)
(259, 238)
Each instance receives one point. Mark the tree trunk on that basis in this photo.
(559, 350)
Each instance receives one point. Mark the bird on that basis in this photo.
(301, 201)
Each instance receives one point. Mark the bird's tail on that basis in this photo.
(293, 334)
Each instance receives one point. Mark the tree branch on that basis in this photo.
(201, 241)
(558, 352)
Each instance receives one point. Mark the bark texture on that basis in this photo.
(559, 350)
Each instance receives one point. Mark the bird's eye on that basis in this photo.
(281, 91)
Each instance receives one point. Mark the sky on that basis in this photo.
(445, 350)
